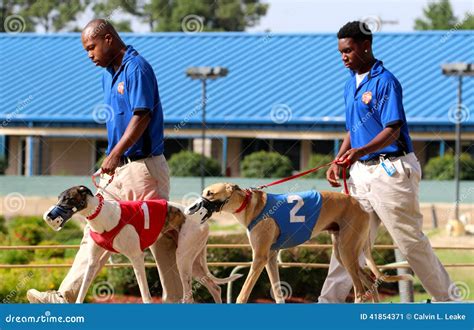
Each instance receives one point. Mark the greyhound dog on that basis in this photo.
(130, 227)
(283, 221)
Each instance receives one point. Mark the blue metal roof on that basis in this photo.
(48, 79)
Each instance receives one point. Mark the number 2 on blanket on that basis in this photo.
(146, 215)
(299, 204)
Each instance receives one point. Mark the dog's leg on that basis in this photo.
(349, 252)
(138, 262)
(164, 252)
(95, 253)
(192, 239)
(274, 276)
(261, 239)
(127, 242)
(200, 271)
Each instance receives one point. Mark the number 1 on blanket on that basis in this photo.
(146, 215)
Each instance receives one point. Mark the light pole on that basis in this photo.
(203, 73)
(458, 70)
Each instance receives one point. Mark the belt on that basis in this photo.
(128, 159)
(376, 159)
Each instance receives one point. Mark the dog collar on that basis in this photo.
(248, 195)
(98, 209)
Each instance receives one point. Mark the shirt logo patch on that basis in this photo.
(120, 87)
(367, 97)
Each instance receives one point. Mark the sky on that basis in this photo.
(330, 15)
(296, 16)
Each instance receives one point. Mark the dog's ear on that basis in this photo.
(83, 190)
(230, 187)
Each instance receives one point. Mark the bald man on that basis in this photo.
(134, 153)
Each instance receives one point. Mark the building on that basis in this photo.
(283, 92)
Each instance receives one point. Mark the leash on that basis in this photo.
(98, 175)
(345, 164)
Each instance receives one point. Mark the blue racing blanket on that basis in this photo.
(296, 215)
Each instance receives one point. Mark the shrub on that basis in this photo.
(264, 164)
(442, 168)
(3, 165)
(3, 227)
(27, 230)
(318, 160)
(48, 254)
(187, 163)
(16, 257)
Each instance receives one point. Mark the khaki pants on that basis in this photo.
(394, 201)
(138, 180)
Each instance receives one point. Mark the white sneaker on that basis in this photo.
(49, 297)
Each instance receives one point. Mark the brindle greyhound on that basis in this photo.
(340, 214)
(190, 255)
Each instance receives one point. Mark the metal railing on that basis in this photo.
(237, 265)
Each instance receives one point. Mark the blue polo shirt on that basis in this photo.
(133, 88)
(374, 105)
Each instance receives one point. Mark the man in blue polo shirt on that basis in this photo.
(134, 153)
(385, 173)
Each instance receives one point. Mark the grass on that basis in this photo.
(462, 276)
(214, 226)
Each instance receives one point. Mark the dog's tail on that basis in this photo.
(378, 274)
(217, 280)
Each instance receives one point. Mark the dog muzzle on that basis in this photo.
(57, 216)
(204, 208)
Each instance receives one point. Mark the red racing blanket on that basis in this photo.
(148, 218)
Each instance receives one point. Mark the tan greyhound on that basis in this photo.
(338, 213)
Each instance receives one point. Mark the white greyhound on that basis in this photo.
(130, 227)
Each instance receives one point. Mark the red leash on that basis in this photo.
(344, 166)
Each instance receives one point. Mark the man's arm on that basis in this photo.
(332, 174)
(133, 132)
(385, 138)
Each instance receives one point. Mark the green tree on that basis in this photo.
(187, 163)
(190, 15)
(467, 23)
(442, 168)
(52, 15)
(440, 16)
(319, 160)
(265, 164)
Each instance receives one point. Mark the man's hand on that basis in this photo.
(332, 175)
(351, 156)
(110, 163)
